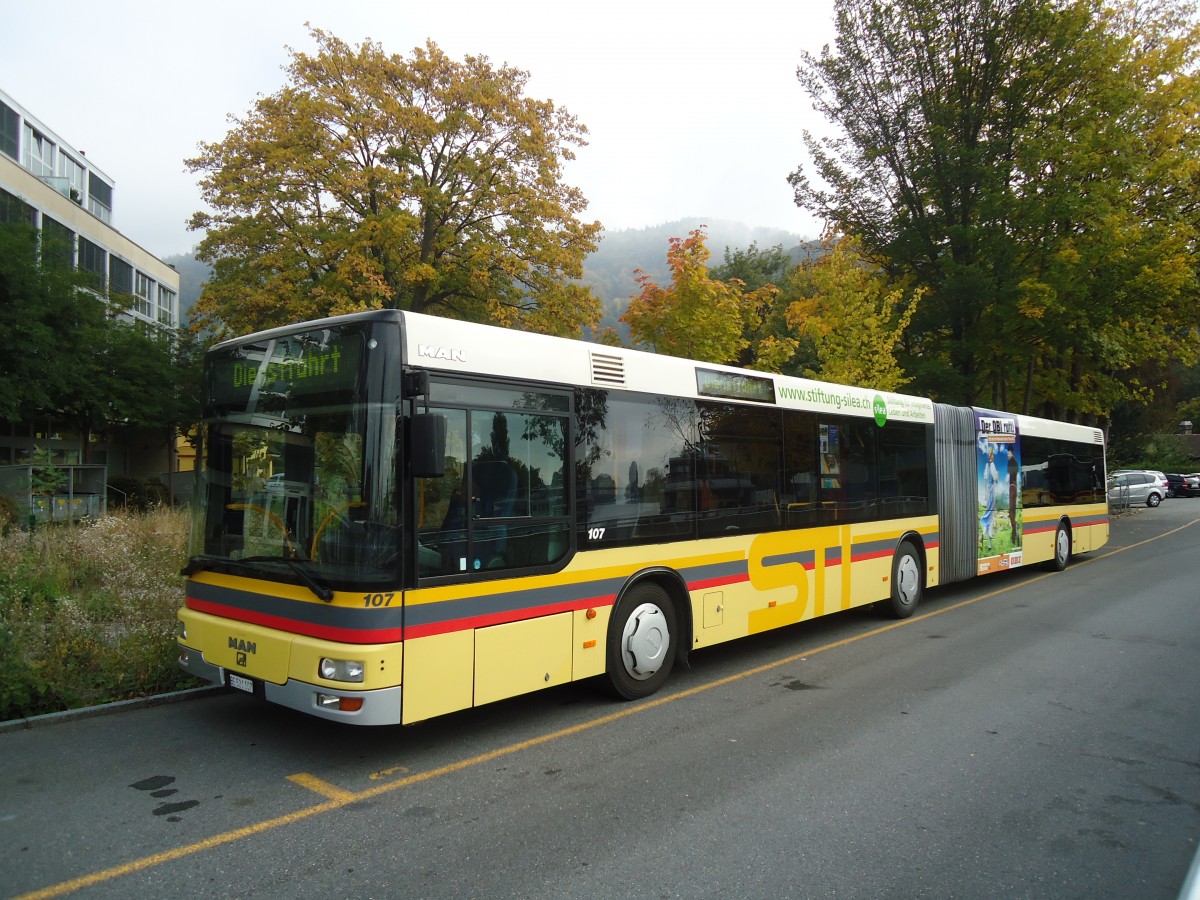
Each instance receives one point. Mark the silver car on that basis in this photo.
(1137, 486)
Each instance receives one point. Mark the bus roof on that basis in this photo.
(452, 346)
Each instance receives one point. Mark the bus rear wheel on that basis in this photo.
(908, 581)
(642, 636)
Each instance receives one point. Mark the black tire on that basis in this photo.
(1062, 548)
(1153, 500)
(908, 582)
(642, 640)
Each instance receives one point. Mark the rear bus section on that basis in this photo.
(1016, 490)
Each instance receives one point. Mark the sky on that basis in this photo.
(693, 109)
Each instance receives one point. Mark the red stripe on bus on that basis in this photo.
(718, 582)
(503, 618)
(878, 554)
(1039, 529)
(297, 626)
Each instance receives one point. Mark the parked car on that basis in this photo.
(1183, 485)
(1137, 486)
(1176, 485)
(1191, 485)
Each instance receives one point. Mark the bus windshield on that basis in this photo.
(297, 464)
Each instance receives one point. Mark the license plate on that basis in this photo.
(242, 684)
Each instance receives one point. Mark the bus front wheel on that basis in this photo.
(641, 642)
(908, 581)
(1062, 548)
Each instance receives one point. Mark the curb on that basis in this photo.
(105, 709)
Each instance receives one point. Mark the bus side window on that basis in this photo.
(739, 469)
(800, 472)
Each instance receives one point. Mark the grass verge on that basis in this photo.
(87, 611)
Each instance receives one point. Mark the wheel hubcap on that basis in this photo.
(644, 641)
(908, 578)
(1064, 546)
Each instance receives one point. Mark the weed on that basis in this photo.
(87, 611)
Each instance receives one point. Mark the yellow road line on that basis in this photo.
(338, 798)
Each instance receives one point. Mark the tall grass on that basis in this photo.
(87, 611)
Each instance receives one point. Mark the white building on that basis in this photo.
(55, 187)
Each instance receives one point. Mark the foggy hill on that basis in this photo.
(192, 275)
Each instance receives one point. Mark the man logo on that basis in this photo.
(244, 650)
(441, 353)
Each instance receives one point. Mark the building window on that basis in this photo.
(38, 157)
(93, 261)
(10, 130)
(120, 276)
(58, 242)
(69, 169)
(100, 199)
(166, 306)
(14, 210)
(142, 295)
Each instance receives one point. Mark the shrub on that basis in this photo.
(87, 612)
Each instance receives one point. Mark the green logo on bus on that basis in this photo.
(879, 407)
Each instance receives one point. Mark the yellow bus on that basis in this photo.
(398, 516)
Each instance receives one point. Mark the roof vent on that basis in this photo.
(607, 368)
(1098, 436)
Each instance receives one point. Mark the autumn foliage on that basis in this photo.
(373, 180)
(697, 316)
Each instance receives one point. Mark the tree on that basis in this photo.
(72, 355)
(698, 316)
(374, 181)
(855, 318)
(767, 275)
(1032, 163)
(1108, 300)
(49, 321)
(133, 376)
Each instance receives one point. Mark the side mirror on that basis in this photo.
(427, 445)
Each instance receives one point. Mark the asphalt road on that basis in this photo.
(1025, 735)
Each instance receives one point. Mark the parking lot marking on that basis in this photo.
(319, 786)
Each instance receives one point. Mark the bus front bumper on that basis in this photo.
(381, 706)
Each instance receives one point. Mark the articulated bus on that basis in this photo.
(399, 516)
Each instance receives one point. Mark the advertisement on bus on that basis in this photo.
(998, 467)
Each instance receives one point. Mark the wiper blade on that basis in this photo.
(195, 564)
(314, 584)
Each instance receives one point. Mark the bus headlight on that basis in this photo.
(342, 669)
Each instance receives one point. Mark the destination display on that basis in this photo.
(292, 366)
(734, 386)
